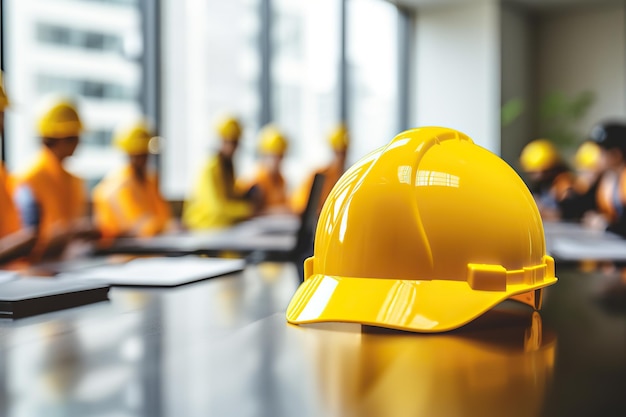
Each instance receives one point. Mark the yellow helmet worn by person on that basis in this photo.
(539, 155)
(59, 119)
(228, 128)
(272, 141)
(133, 138)
(339, 138)
(424, 234)
(4, 99)
(588, 156)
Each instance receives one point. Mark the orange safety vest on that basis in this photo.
(59, 194)
(273, 189)
(611, 195)
(300, 198)
(124, 205)
(9, 218)
(562, 185)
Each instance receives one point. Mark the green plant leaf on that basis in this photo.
(559, 114)
(511, 110)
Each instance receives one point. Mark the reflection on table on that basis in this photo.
(222, 347)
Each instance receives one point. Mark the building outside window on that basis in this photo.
(85, 49)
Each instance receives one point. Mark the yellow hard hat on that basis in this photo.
(228, 128)
(133, 138)
(539, 155)
(588, 156)
(4, 99)
(59, 119)
(339, 138)
(272, 141)
(424, 234)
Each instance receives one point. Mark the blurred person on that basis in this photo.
(611, 191)
(338, 139)
(582, 199)
(127, 202)
(550, 180)
(214, 201)
(15, 242)
(48, 197)
(268, 180)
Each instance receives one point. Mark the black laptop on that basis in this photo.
(22, 297)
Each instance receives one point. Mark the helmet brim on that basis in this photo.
(427, 306)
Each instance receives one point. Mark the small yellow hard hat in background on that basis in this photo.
(134, 138)
(272, 141)
(4, 99)
(539, 155)
(228, 128)
(339, 138)
(58, 119)
(588, 156)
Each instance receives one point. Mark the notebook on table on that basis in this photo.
(22, 297)
(7, 276)
(159, 272)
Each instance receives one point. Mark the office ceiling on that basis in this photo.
(539, 5)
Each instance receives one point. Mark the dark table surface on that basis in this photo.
(222, 348)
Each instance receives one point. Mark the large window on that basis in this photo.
(305, 77)
(87, 50)
(372, 54)
(216, 60)
(305, 65)
(211, 67)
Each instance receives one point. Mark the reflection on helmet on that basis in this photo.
(424, 234)
(133, 138)
(58, 119)
(539, 155)
(272, 141)
(488, 369)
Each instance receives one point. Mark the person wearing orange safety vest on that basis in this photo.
(268, 180)
(338, 140)
(48, 197)
(14, 241)
(214, 202)
(611, 192)
(127, 202)
(550, 180)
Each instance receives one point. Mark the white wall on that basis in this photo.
(457, 70)
(516, 79)
(583, 50)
